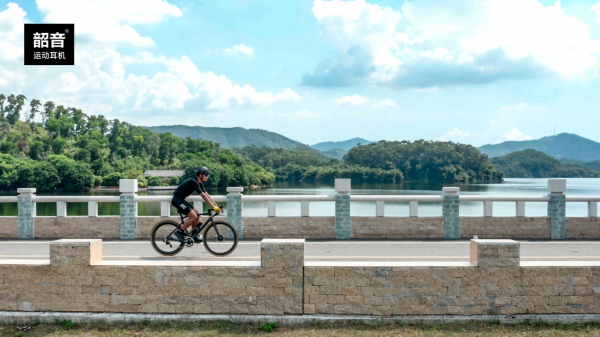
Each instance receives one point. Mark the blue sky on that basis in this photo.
(470, 72)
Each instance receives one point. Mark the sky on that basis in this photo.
(473, 72)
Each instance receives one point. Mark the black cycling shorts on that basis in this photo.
(181, 205)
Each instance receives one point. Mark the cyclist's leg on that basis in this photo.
(184, 207)
(192, 220)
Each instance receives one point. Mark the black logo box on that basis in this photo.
(49, 44)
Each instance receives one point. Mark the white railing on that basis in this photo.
(272, 200)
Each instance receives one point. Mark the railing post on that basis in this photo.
(165, 208)
(304, 208)
(272, 208)
(450, 211)
(61, 209)
(520, 208)
(343, 222)
(488, 208)
(26, 208)
(92, 208)
(592, 209)
(557, 208)
(128, 189)
(413, 209)
(234, 209)
(380, 208)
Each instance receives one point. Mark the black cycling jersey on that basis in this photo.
(187, 187)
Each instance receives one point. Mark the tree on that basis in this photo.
(35, 105)
(48, 111)
(74, 176)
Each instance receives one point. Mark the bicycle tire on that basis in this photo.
(220, 245)
(159, 240)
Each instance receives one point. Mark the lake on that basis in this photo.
(510, 186)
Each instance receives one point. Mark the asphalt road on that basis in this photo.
(353, 250)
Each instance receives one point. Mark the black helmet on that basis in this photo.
(202, 170)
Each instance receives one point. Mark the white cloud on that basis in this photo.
(454, 135)
(108, 21)
(302, 114)
(99, 82)
(461, 42)
(352, 100)
(386, 103)
(11, 32)
(515, 134)
(241, 49)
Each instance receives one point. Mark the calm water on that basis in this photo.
(575, 186)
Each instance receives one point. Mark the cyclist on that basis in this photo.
(183, 191)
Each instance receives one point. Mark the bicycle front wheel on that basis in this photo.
(164, 240)
(220, 238)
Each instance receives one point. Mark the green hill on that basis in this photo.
(564, 145)
(535, 164)
(335, 153)
(345, 145)
(230, 137)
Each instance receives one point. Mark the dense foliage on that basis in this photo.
(536, 164)
(427, 161)
(72, 151)
(309, 165)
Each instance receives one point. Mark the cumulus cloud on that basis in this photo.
(461, 42)
(108, 21)
(357, 100)
(515, 134)
(239, 49)
(454, 135)
(99, 82)
(352, 100)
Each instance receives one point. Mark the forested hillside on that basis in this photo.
(72, 151)
(230, 137)
(563, 145)
(427, 160)
(536, 164)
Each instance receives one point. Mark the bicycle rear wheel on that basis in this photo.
(220, 238)
(163, 240)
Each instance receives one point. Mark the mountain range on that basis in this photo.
(561, 146)
(564, 146)
(230, 137)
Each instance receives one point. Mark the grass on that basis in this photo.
(225, 328)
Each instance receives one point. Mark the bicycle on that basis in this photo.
(219, 237)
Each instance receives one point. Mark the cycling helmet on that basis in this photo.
(202, 170)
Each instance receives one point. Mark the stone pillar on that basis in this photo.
(495, 253)
(128, 189)
(282, 261)
(234, 209)
(556, 208)
(450, 210)
(343, 222)
(75, 252)
(26, 208)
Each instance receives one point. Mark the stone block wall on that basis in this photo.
(493, 283)
(75, 281)
(289, 227)
(505, 227)
(9, 227)
(583, 228)
(77, 227)
(397, 228)
(403, 228)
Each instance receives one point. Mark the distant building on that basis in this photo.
(164, 173)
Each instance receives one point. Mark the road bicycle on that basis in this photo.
(219, 237)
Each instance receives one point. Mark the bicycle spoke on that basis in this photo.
(220, 238)
(164, 240)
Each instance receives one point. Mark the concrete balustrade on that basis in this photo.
(492, 282)
(344, 225)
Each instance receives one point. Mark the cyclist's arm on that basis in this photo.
(208, 199)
